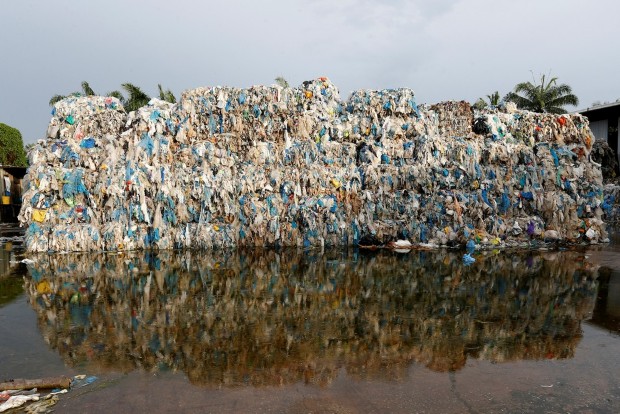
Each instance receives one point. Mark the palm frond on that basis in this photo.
(88, 91)
(520, 101)
(480, 104)
(56, 98)
(547, 96)
(116, 94)
(565, 100)
(166, 95)
(169, 97)
(494, 98)
(136, 99)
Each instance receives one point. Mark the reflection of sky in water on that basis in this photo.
(265, 317)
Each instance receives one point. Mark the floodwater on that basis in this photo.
(340, 331)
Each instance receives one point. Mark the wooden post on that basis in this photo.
(42, 383)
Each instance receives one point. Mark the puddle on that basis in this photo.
(260, 329)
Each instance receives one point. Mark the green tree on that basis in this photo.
(86, 91)
(548, 96)
(494, 100)
(117, 95)
(12, 147)
(136, 98)
(166, 95)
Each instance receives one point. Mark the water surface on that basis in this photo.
(336, 331)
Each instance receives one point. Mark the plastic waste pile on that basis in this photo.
(272, 166)
(603, 154)
(612, 203)
(36, 400)
(271, 317)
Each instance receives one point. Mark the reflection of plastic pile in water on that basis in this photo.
(11, 233)
(298, 166)
(266, 317)
(11, 272)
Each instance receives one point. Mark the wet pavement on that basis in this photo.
(333, 332)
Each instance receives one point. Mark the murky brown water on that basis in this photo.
(340, 331)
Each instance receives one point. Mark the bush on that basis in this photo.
(11, 147)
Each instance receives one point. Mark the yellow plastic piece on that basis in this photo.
(44, 287)
(39, 215)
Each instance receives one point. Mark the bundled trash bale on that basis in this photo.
(603, 154)
(453, 119)
(611, 205)
(273, 166)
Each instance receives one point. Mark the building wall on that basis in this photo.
(609, 116)
(600, 129)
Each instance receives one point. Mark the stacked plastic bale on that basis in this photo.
(59, 202)
(549, 184)
(272, 166)
(611, 205)
(384, 125)
(299, 167)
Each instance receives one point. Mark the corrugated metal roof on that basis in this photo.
(597, 107)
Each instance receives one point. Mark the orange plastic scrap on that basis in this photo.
(579, 152)
(457, 207)
(562, 120)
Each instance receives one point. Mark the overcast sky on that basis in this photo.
(442, 49)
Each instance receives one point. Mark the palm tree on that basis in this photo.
(166, 95)
(548, 96)
(493, 98)
(117, 95)
(86, 91)
(136, 97)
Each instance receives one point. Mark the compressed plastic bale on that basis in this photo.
(297, 166)
(454, 119)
